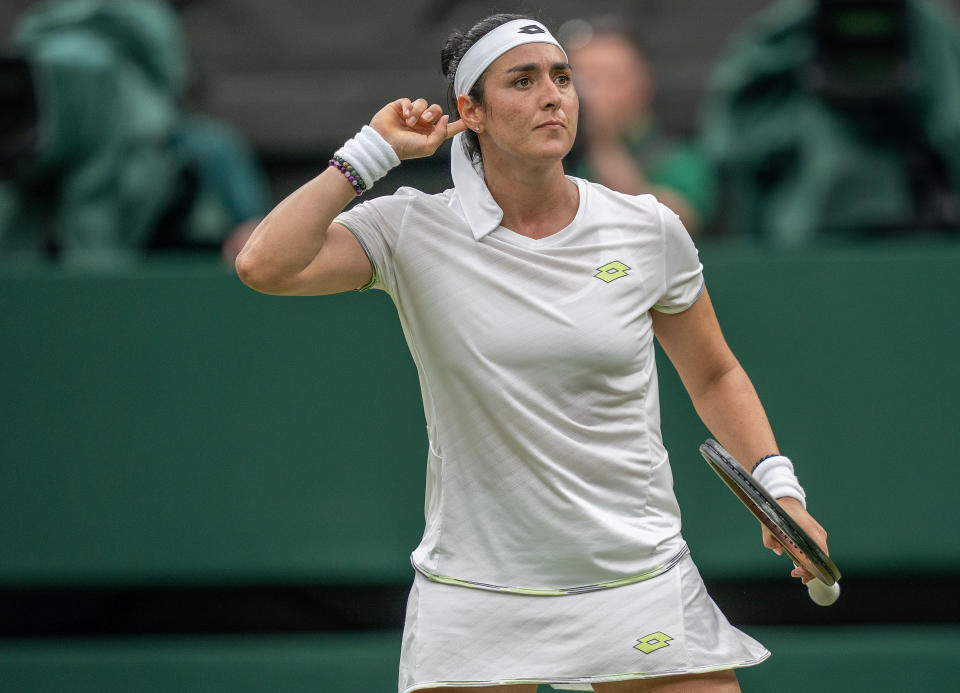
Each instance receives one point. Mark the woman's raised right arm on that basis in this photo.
(297, 250)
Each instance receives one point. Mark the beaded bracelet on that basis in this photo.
(370, 157)
(356, 180)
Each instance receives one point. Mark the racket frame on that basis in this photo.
(795, 541)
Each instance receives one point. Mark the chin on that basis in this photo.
(555, 149)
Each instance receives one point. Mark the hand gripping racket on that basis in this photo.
(824, 588)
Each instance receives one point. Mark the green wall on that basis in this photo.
(167, 424)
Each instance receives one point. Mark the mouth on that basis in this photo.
(551, 125)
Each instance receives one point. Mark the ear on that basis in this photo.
(471, 113)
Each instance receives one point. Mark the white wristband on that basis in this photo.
(369, 154)
(775, 474)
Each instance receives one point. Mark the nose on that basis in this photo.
(550, 95)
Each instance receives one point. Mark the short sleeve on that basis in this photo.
(376, 225)
(683, 273)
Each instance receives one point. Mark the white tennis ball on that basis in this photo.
(821, 594)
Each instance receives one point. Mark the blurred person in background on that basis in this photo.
(99, 161)
(833, 119)
(622, 143)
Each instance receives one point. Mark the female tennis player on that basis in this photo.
(552, 551)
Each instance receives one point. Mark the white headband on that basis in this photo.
(494, 44)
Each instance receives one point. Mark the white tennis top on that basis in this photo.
(546, 471)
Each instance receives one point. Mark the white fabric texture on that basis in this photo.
(460, 636)
(546, 468)
(775, 474)
(370, 155)
(478, 207)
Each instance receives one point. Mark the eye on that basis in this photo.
(563, 79)
(522, 82)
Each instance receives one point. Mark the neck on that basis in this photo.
(537, 201)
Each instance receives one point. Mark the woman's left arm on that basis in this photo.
(724, 397)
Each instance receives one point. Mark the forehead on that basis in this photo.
(541, 54)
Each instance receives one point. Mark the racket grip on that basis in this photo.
(822, 594)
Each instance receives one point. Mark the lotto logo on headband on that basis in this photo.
(531, 29)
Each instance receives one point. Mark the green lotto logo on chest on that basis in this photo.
(611, 270)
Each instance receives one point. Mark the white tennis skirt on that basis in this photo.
(667, 625)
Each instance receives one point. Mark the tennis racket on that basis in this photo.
(824, 589)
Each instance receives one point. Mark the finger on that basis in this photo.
(432, 113)
(416, 110)
(771, 543)
(455, 128)
(437, 135)
(821, 540)
(403, 107)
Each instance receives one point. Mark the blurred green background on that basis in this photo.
(207, 490)
(166, 426)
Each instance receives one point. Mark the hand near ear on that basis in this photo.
(413, 128)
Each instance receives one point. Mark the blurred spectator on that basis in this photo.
(621, 143)
(839, 118)
(98, 160)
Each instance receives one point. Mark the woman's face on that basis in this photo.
(530, 106)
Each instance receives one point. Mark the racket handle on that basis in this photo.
(822, 594)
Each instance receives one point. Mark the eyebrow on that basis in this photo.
(533, 67)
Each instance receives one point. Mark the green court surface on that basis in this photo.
(850, 660)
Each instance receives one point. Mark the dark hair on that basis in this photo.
(456, 45)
